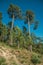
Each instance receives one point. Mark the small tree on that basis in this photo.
(19, 36)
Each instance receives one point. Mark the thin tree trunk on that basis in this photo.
(30, 48)
(29, 27)
(18, 44)
(30, 45)
(11, 32)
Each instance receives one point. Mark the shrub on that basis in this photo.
(35, 59)
(2, 61)
(13, 63)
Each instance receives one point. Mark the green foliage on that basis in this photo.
(29, 16)
(14, 63)
(36, 25)
(35, 59)
(0, 15)
(14, 10)
(2, 61)
(19, 37)
(38, 48)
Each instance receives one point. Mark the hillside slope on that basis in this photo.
(16, 56)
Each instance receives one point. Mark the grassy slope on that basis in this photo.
(16, 56)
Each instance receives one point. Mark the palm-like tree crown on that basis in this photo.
(14, 10)
(29, 16)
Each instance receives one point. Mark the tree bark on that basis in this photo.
(11, 42)
(29, 27)
(30, 48)
(30, 45)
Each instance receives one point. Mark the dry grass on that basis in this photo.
(16, 56)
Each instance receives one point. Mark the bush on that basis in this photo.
(2, 61)
(35, 59)
(14, 63)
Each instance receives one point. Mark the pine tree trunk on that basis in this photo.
(29, 27)
(30, 45)
(11, 42)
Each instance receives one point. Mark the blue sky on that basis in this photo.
(35, 5)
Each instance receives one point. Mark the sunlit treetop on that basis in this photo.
(14, 10)
(29, 16)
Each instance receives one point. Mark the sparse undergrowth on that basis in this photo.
(35, 59)
(2, 61)
(20, 56)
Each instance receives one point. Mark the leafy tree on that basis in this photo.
(19, 36)
(29, 19)
(14, 12)
(4, 33)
